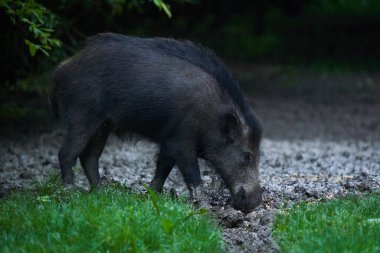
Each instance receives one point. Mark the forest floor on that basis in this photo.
(311, 150)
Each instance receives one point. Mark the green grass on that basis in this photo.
(350, 224)
(112, 219)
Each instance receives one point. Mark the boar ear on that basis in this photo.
(231, 127)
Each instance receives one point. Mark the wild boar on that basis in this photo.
(175, 93)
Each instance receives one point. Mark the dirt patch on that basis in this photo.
(310, 152)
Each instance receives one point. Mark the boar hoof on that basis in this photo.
(156, 186)
(173, 193)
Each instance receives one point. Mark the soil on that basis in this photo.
(311, 151)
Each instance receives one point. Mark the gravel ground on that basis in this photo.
(310, 152)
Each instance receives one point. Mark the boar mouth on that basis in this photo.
(246, 202)
(241, 200)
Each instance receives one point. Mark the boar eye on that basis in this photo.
(247, 156)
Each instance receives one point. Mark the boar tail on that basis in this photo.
(58, 78)
(53, 98)
(54, 106)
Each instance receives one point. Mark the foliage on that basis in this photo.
(344, 225)
(112, 219)
(35, 21)
(38, 22)
(345, 7)
(12, 112)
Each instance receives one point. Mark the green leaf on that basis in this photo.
(48, 30)
(32, 49)
(163, 6)
(37, 16)
(25, 20)
(166, 8)
(55, 42)
(158, 3)
(44, 51)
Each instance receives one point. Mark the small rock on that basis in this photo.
(312, 193)
(232, 218)
(299, 156)
(265, 220)
(46, 162)
(25, 175)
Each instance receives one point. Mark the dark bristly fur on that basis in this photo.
(193, 53)
(175, 93)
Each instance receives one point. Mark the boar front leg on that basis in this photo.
(183, 153)
(187, 162)
(165, 165)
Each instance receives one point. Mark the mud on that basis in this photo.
(310, 152)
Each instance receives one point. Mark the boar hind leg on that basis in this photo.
(89, 158)
(74, 142)
(165, 165)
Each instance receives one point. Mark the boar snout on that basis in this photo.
(246, 201)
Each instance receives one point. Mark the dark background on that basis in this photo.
(318, 50)
(328, 34)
